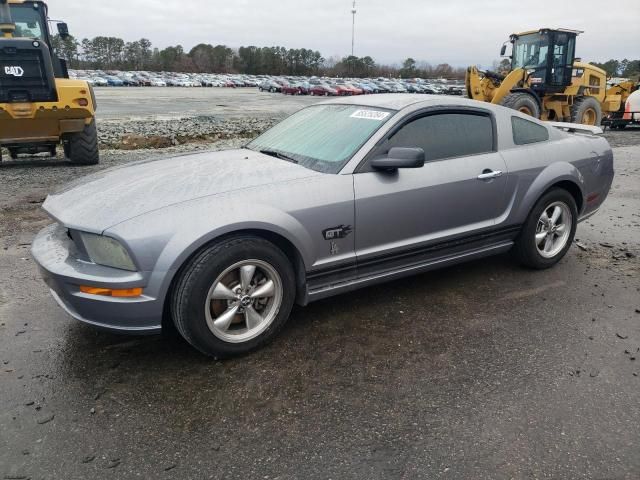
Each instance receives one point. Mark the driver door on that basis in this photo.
(402, 216)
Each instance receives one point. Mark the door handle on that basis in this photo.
(489, 174)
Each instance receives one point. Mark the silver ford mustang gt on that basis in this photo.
(338, 196)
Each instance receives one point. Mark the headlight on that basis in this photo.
(107, 251)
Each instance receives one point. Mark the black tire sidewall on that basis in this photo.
(520, 99)
(526, 249)
(581, 104)
(188, 301)
(82, 147)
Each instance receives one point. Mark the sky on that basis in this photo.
(459, 32)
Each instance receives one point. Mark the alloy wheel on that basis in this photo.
(553, 229)
(243, 301)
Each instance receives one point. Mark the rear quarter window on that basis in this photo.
(526, 132)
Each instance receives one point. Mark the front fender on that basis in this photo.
(553, 174)
(161, 253)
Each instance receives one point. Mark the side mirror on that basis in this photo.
(503, 50)
(399, 157)
(63, 30)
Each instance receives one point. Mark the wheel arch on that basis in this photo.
(558, 175)
(282, 242)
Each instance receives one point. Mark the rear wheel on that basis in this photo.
(234, 296)
(82, 148)
(522, 102)
(548, 231)
(586, 110)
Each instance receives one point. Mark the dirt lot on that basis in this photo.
(168, 103)
(483, 371)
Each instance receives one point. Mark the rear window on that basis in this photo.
(525, 132)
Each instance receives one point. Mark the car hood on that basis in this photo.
(104, 199)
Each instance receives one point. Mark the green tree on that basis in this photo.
(610, 66)
(408, 68)
(66, 49)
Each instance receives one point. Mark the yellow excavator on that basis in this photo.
(547, 81)
(40, 106)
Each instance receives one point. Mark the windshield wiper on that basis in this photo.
(280, 155)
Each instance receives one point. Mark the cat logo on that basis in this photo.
(15, 71)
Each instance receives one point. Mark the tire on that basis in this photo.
(196, 314)
(531, 245)
(586, 110)
(13, 153)
(523, 102)
(82, 148)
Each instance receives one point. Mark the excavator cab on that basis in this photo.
(547, 56)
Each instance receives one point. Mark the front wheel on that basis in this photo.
(549, 230)
(82, 148)
(234, 296)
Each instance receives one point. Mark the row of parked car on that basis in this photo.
(111, 78)
(341, 87)
(320, 86)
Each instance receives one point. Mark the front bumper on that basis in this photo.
(63, 272)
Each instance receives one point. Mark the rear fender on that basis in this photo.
(554, 174)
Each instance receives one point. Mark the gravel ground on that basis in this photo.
(483, 370)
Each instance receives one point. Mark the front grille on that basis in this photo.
(25, 72)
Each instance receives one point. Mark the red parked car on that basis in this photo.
(341, 89)
(323, 90)
(354, 90)
(296, 89)
(290, 89)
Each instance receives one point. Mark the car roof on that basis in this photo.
(399, 101)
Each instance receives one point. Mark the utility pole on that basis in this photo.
(353, 28)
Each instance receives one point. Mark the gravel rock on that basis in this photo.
(136, 134)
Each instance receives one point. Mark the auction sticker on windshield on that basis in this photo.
(370, 115)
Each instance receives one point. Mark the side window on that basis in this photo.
(525, 132)
(445, 135)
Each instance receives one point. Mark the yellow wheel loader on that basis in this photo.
(546, 80)
(40, 106)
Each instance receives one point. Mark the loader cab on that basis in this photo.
(547, 56)
(31, 21)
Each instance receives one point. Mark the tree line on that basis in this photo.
(112, 53)
(620, 68)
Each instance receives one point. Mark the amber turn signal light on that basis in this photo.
(110, 292)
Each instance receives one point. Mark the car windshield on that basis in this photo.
(322, 137)
(28, 20)
(530, 51)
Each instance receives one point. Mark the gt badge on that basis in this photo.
(340, 231)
